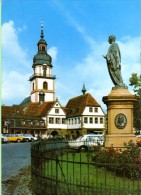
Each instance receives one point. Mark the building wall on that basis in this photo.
(56, 118)
(95, 111)
(95, 119)
(38, 86)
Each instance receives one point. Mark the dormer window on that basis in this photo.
(90, 109)
(95, 109)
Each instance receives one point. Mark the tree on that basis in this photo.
(135, 81)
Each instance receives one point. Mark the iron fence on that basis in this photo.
(60, 170)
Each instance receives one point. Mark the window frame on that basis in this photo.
(56, 110)
(86, 120)
(51, 120)
(90, 120)
(90, 109)
(96, 120)
(96, 109)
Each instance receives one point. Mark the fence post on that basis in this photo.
(56, 175)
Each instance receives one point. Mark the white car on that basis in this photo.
(86, 142)
(28, 137)
(4, 139)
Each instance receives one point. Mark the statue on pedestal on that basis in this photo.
(113, 59)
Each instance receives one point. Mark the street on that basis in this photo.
(14, 157)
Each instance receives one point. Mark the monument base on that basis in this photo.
(117, 140)
(120, 104)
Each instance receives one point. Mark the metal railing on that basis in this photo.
(58, 169)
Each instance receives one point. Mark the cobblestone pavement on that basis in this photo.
(19, 183)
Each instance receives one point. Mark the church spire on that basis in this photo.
(83, 89)
(42, 40)
(42, 30)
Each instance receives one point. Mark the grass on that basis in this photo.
(78, 169)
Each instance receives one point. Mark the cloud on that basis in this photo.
(15, 65)
(130, 56)
(11, 49)
(16, 87)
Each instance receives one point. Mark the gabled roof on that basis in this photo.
(76, 105)
(37, 109)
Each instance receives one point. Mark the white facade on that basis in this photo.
(41, 83)
(92, 118)
(56, 118)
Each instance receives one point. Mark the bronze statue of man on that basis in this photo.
(113, 59)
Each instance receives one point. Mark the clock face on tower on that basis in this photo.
(120, 121)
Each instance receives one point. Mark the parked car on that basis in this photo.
(99, 133)
(139, 141)
(139, 135)
(28, 137)
(4, 139)
(86, 142)
(38, 137)
(15, 138)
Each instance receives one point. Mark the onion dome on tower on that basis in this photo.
(42, 57)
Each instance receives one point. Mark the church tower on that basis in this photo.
(42, 80)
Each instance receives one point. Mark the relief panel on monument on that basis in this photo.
(120, 121)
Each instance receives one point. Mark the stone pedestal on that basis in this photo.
(120, 104)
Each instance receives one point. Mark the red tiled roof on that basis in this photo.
(9, 111)
(76, 105)
(37, 109)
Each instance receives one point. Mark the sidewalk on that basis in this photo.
(18, 184)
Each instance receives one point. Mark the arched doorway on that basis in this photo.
(54, 133)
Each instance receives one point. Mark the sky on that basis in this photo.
(77, 35)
